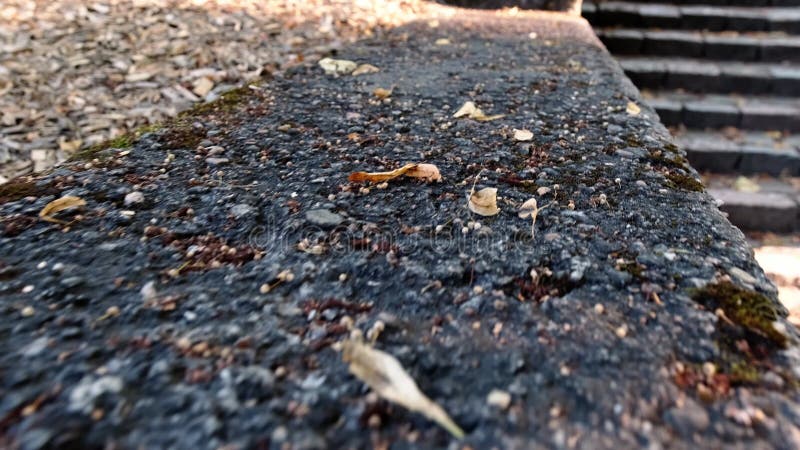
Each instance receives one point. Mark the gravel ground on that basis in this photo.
(194, 301)
(74, 74)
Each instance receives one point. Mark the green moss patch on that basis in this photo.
(179, 132)
(684, 182)
(18, 189)
(750, 310)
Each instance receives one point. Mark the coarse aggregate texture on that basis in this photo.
(202, 314)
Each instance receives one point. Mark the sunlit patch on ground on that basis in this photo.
(780, 258)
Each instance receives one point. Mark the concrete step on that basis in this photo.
(720, 111)
(758, 203)
(734, 151)
(694, 16)
(727, 46)
(696, 75)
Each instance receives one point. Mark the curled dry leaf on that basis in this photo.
(484, 202)
(531, 209)
(337, 66)
(386, 376)
(473, 112)
(522, 135)
(59, 205)
(382, 93)
(528, 209)
(365, 69)
(427, 172)
(633, 109)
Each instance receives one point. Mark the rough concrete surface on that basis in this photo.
(202, 313)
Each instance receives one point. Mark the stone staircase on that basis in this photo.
(724, 75)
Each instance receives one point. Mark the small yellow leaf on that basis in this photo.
(427, 172)
(442, 41)
(377, 177)
(365, 69)
(484, 202)
(337, 66)
(633, 109)
(382, 93)
(386, 376)
(468, 109)
(522, 135)
(59, 205)
(473, 112)
(483, 118)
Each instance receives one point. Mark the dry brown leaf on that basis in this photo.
(382, 93)
(523, 135)
(473, 112)
(633, 109)
(58, 205)
(364, 69)
(386, 376)
(337, 66)
(428, 172)
(484, 202)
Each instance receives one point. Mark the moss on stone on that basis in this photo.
(123, 141)
(678, 161)
(742, 372)
(750, 310)
(15, 190)
(684, 182)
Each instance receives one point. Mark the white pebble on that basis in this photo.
(134, 198)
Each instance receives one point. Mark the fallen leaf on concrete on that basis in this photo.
(467, 109)
(473, 112)
(427, 172)
(484, 202)
(744, 184)
(442, 41)
(531, 209)
(382, 93)
(364, 69)
(337, 66)
(386, 376)
(522, 135)
(59, 205)
(633, 109)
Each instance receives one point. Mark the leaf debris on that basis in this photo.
(337, 66)
(386, 376)
(522, 135)
(531, 209)
(427, 172)
(473, 112)
(484, 202)
(62, 204)
(633, 109)
(364, 69)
